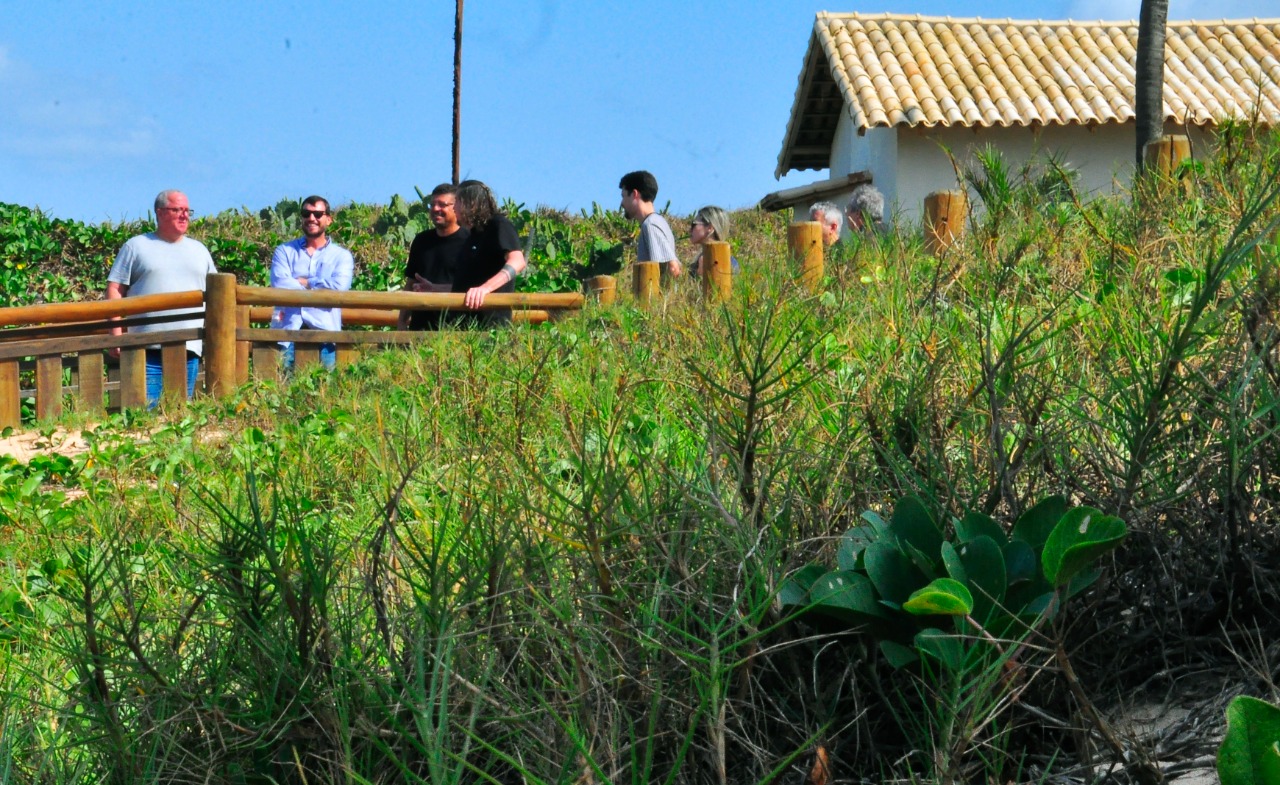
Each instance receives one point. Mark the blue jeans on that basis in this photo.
(155, 376)
(328, 356)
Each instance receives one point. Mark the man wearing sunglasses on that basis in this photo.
(312, 261)
(162, 262)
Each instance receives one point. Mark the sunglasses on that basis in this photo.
(314, 213)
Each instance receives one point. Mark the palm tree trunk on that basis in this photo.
(1148, 99)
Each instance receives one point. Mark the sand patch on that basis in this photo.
(25, 446)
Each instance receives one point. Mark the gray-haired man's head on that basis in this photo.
(866, 204)
(827, 214)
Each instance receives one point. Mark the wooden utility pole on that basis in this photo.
(457, 91)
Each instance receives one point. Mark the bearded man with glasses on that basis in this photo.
(162, 262)
(312, 261)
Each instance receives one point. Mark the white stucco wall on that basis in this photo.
(875, 152)
(913, 164)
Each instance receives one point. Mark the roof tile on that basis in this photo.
(915, 70)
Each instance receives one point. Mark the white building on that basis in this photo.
(880, 97)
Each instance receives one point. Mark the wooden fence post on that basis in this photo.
(647, 281)
(133, 378)
(804, 242)
(944, 216)
(220, 334)
(10, 402)
(1166, 153)
(242, 347)
(604, 288)
(716, 272)
(89, 367)
(49, 387)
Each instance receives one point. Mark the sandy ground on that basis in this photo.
(25, 446)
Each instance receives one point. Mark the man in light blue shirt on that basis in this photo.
(312, 261)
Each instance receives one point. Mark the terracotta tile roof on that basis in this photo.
(890, 70)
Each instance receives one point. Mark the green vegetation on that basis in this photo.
(44, 259)
(587, 552)
(1250, 754)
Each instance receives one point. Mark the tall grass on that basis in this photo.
(551, 555)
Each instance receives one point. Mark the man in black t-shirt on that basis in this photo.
(434, 259)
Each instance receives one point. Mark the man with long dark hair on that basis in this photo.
(493, 256)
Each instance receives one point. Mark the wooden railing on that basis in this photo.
(43, 339)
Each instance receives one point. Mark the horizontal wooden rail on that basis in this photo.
(340, 337)
(370, 317)
(62, 313)
(100, 327)
(89, 343)
(258, 295)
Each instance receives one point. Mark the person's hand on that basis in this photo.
(475, 297)
(114, 352)
(304, 282)
(674, 268)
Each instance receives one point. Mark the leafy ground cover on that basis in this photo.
(570, 554)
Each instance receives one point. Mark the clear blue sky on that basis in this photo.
(245, 103)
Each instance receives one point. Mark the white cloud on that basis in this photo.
(67, 120)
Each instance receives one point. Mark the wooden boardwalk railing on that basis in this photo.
(233, 349)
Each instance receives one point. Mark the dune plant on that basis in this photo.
(1250, 752)
(961, 609)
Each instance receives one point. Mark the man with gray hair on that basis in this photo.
(827, 214)
(161, 262)
(865, 210)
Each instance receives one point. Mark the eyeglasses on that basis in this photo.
(182, 212)
(698, 223)
(314, 213)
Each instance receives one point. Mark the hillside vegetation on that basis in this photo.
(587, 552)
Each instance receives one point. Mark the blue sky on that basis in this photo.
(246, 103)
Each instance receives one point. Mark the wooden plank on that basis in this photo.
(89, 366)
(49, 387)
(173, 359)
(266, 361)
(306, 355)
(90, 343)
(347, 354)
(530, 316)
(100, 327)
(220, 322)
(61, 313)
(10, 395)
(133, 378)
(351, 317)
(345, 337)
(242, 347)
(258, 295)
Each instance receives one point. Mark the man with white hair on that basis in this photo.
(827, 214)
(161, 262)
(865, 210)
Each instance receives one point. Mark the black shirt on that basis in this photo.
(437, 259)
(484, 256)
